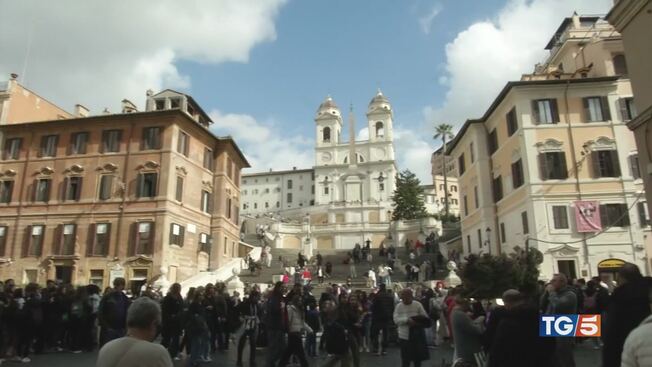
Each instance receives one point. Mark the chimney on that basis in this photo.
(128, 106)
(14, 76)
(294, 168)
(106, 111)
(81, 111)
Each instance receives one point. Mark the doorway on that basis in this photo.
(63, 274)
(567, 267)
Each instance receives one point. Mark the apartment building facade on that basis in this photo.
(133, 194)
(277, 191)
(550, 146)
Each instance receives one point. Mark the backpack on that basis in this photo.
(337, 339)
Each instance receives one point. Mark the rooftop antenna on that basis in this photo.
(28, 48)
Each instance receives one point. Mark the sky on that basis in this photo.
(262, 67)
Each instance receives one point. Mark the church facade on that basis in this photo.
(351, 186)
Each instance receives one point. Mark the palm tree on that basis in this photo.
(444, 132)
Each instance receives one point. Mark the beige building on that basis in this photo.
(555, 138)
(86, 199)
(19, 104)
(633, 20)
(434, 196)
(437, 164)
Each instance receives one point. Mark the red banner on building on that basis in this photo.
(587, 216)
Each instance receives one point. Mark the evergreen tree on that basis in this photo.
(408, 197)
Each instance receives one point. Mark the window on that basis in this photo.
(493, 141)
(78, 143)
(466, 206)
(627, 108)
(560, 217)
(151, 138)
(3, 239)
(267, 191)
(176, 234)
(545, 111)
(635, 167)
(524, 223)
(472, 150)
(111, 141)
(255, 205)
(380, 129)
(178, 195)
(101, 237)
(266, 205)
(454, 201)
(605, 163)
(512, 123)
(106, 187)
(553, 166)
(42, 190)
(468, 243)
(144, 238)
(503, 237)
(6, 189)
(67, 239)
(441, 187)
(12, 148)
(460, 164)
(620, 65)
(35, 240)
(596, 109)
(49, 145)
(289, 197)
(175, 102)
(517, 174)
(614, 215)
(226, 251)
(300, 187)
(183, 143)
(205, 243)
(289, 184)
(479, 238)
(381, 186)
(206, 201)
(326, 134)
(208, 159)
(73, 188)
(497, 188)
(160, 104)
(312, 189)
(147, 185)
(476, 197)
(278, 204)
(228, 208)
(96, 277)
(643, 217)
(453, 188)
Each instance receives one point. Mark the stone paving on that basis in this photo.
(585, 356)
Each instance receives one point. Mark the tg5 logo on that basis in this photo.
(569, 325)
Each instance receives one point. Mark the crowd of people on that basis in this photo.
(293, 325)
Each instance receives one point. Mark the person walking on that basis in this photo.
(406, 316)
(274, 311)
(561, 299)
(467, 333)
(137, 349)
(172, 314)
(250, 312)
(371, 278)
(113, 312)
(628, 307)
(352, 271)
(296, 324)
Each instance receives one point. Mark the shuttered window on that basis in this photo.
(177, 233)
(78, 142)
(544, 111)
(553, 166)
(614, 215)
(106, 187)
(560, 217)
(596, 109)
(517, 174)
(605, 163)
(512, 123)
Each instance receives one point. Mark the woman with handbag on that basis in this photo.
(411, 319)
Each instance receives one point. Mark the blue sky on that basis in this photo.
(263, 66)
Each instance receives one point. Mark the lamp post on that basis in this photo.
(488, 241)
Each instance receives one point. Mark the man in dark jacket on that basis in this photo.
(516, 341)
(561, 299)
(382, 311)
(171, 315)
(250, 311)
(274, 311)
(221, 313)
(628, 307)
(113, 313)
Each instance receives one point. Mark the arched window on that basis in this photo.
(380, 129)
(326, 135)
(620, 66)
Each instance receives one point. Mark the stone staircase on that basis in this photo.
(340, 271)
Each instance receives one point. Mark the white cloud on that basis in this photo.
(263, 143)
(425, 21)
(489, 53)
(413, 153)
(99, 52)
